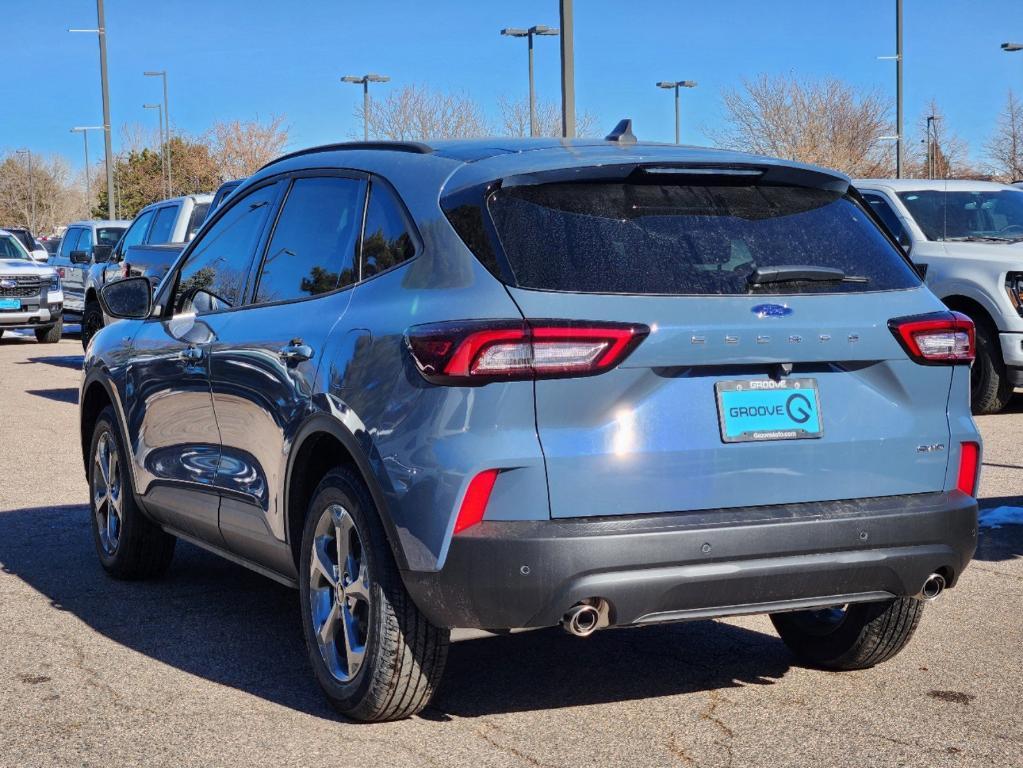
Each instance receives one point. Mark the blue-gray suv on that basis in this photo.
(507, 384)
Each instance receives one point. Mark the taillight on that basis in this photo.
(969, 466)
(469, 353)
(126, 270)
(474, 503)
(60, 271)
(938, 338)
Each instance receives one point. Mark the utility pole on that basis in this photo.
(84, 130)
(930, 146)
(108, 153)
(567, 70)
(900, 142)
(163, 144)
(166, 126)
(365, 80)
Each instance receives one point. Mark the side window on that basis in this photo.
(884, 211)
(68, 242)
(84, 240)
(312, 250)
(136, 231)
(213, 276)
(195, 220)
(386, 240)
(163, 225)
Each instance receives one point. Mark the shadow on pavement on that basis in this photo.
(62, 361)
(217, 620)
(61, 395)
(1005, 543)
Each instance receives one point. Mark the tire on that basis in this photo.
(92, 322)
(52, 334)
(402, 654)
(858, 636)
(990, 389)
(129, 545)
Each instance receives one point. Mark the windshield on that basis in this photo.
(108, 235)
(989, 216)
(693, 240)
(10, 248)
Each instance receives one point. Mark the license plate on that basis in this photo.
(759, 409)
(8, 304)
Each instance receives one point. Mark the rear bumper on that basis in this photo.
(676, 566)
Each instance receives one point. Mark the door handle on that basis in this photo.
(191, 354)
(297, 351)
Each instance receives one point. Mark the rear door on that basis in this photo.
(73, 276)
(684, 422)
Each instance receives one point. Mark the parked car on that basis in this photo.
(148, 248)
(968, 238)
(30, 293)
(221, 194)
(83, 245)
(51, 245)
(513, 384)
(25, 237)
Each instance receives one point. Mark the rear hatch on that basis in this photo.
(769, 375)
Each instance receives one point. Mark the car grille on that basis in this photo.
(26, 286)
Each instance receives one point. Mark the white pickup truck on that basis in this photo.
(967, 238)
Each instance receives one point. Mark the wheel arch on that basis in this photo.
(973, 309)
(94, 399)
(321, 445)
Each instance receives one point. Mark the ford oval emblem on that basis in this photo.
(772, 310)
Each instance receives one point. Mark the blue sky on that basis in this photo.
(240, 59)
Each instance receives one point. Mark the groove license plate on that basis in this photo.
(764, 409)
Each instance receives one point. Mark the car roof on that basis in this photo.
(920, 185)
(101, 223)
(199, 197)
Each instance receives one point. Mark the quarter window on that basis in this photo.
(884, 212)
(386, 241)
(214, 274)
(312, 250)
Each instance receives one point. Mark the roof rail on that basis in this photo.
(413, 147)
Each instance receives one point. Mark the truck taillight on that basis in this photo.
(938, 338)
(469, 352)
(126, 270)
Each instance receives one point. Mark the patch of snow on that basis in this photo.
(999, 516)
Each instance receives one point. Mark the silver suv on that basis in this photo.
(30, 293)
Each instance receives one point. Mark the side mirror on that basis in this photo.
(79, 257)
(129, 299)
(40, 254)
(101, 252)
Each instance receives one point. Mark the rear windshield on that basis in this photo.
(108, 235)
(689, 239)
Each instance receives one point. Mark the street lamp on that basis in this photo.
(544, 31)
(101, 33)
(84, 130)
(163, 145)
(1012, 47)
(166, 123)
(31, 188)
(675, 85)
(365, 80)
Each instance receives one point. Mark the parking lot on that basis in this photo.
(207, 666)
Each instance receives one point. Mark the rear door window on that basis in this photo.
(312, 250)
(163, 225)
(690, 239)
(386, 240)
(195, 219)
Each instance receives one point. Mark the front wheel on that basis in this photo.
(374, 654)
(856, 636)
(52, 334)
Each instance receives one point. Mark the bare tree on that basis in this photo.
(242, 148)
(1005, 149)
(416, 112)
(949, 153)
(515, 119)
(824, 122)
(59, 198)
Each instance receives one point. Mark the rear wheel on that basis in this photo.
(129, 545)
(92, 322)
(52, 334)
(374, 654)
(856, 636)
(990, 389)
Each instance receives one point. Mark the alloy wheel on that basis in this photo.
(339, 593)
(107, 489)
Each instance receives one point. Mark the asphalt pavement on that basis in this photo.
(207, 666)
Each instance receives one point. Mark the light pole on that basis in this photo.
(84, 130)
(898, 88)
(542, 30)
(567, 69)
(931, 146)
(166, 124)
(365, 80)
(163, 144)
(675, 85)
(31, 189)
(108, 153)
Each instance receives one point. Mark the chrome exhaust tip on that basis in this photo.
(933, 586)
(581, 620)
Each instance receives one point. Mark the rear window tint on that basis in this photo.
(688, 239)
